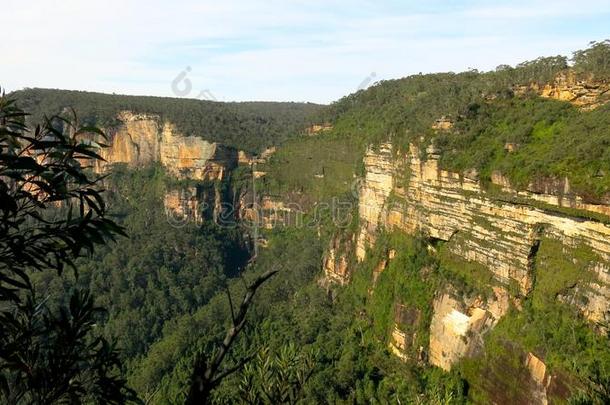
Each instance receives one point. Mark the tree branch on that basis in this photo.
(206, 375)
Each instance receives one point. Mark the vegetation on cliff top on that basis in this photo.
(165, 287)
(251, 126)
(551, 139)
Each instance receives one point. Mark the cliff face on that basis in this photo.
(183, 205)
(567, 86)
(414, 196)
(141, 139)
(459, 323)
(191, 157)
(134, 141)
(500, 231)
(335, 263)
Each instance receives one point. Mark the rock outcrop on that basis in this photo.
(538, 373)
(567, 86)
(498, 230)
(134, 141)
(407, 321)
(194, 204)
(458, 325)
(501, 235)
(141, 139)
(442, 124)
(374, 192)
(191, 157)
(317, 128)
(276, 213)
(265, 211)
(182, 206)
(335, 263)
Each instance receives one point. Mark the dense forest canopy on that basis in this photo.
(414, 102)
(553, 138)
(251, 126)
(165, 287)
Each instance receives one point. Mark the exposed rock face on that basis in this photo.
(584, 93)
(404, 333)
(197, 203)
(274, 213)
(317, 128)
(537, 370)
(335, 264)
(191, 157)
(266, 154)
(183, 205)
(142, 139)
(554, 192)
(518, 377)
(500, 231)
(243, 158)
(567, 86)
(442, 124)
(458, 325)
(592, 299)
(266, 211)
(134, 142)
(375, 190)
(400, 343)
(502, 236)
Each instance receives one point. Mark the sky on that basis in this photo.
(314, 50)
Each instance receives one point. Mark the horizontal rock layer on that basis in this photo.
(501, 231)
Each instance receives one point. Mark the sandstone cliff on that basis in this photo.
(567, 86)
(141, 139)
(183, 205)
(412, 195)
(335, 262)
(501, 231)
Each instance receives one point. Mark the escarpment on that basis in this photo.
(514, 236)
(134, 141)
(141, 139)
(406, 193)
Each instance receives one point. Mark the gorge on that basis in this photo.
(473, 266)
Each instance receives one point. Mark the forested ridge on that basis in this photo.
(168, 291)
(251, 126)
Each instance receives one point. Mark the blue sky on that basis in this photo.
(276, 50)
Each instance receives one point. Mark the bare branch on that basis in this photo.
(206, 375)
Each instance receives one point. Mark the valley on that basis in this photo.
(439, 239)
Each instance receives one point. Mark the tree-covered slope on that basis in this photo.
(250, 126)
(498, 120)
(165, 288)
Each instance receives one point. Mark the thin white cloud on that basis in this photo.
(284, 50)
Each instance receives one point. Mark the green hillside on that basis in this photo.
(554, 139)
(250, 126)
(167, 290)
